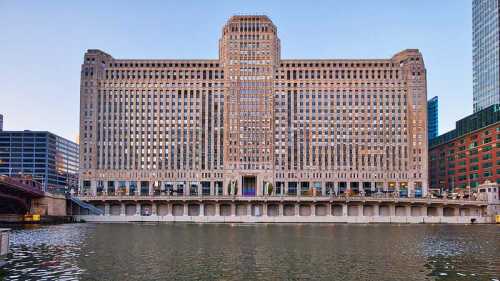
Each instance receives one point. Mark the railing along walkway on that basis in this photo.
(279, 198)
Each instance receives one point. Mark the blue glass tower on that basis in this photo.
(486, 53)
(432, 118)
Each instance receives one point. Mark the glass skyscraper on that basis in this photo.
(432, 118)
(47, 158)
(486, 53)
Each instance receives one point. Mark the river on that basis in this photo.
(254, 252)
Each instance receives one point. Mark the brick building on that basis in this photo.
(469, 155)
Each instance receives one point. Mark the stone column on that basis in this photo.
(200, 190)
(217, 209)
(170, 209)
(127, 187)
(439, 210)
(323, 188)
(360, 210)
(225, 187)
(154, 209)
(249, 209)
(212, 188)
(187, 188)
(259, 187)
(264, 209)
(344, 210)
(423, 211)
(456, 212)
(186, 209)
(392, 210)
(202, 209)
(297, 209)
(376, 210)
(138, 209)
(411, 190)
(239, 192)
(106, 209)
(313, 209)
(122, 209)
(150, 187)
(93, 188)
(233, 209)
(280, 209)
(408, 210)
(328, 209)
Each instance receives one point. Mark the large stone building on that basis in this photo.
(251, 123)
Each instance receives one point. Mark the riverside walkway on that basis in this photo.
(248, 209)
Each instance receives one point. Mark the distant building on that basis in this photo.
(486, 53)
(432, 118)
(46, 157)
(469, 155)
(1, 122)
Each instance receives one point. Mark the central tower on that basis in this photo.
(249, 53)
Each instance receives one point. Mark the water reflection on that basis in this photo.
(465, 254)
(45, 253)
(255, 252)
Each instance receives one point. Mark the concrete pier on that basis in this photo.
(284, 209)
(4, 244)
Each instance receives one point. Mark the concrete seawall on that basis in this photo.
(286, 210)
(284, 219)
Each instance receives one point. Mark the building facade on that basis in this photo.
(43, 156)
(486, 53)
(251, 123)
(432, 118)
(469, 155)
(1, 122)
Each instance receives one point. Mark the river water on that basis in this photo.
(254, 252)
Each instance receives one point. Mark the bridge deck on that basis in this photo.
(27, 188)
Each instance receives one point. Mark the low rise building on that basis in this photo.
(469, 155)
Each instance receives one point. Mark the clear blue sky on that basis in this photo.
(42, 44)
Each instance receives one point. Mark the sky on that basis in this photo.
(42, 44)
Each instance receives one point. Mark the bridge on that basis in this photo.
(20, 196)
(17, 194)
